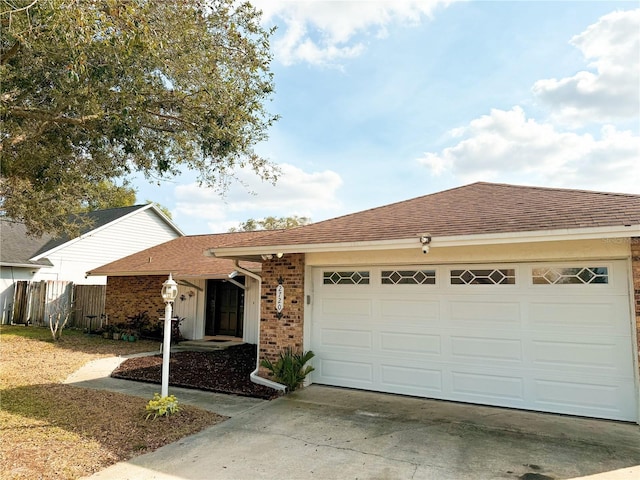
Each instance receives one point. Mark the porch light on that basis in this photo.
(169, 294)
(169, 290)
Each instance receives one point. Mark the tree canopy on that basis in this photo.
(271, 223)
(109, 195)
(92, 92)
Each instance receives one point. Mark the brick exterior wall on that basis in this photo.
(128, 296)
(635, 268)
(277, 334)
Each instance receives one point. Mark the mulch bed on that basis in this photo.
(223, 371)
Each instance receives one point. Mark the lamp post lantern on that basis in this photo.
(169, 294)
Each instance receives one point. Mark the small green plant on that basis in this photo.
(162, 406)
(289, 369)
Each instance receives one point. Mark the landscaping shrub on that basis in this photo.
(290, 368)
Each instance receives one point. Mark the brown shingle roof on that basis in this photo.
(478, 208)
(183, 257)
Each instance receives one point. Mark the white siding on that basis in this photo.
(120, 239)
(8, 277)
(251, 311)
(191, 309)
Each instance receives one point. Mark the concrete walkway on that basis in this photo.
(332, 433)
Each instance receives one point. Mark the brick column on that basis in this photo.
(278, 333)
(635, 268)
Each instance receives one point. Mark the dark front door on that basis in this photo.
(225, 303)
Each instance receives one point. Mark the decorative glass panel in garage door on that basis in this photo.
(570, 275)
(496, 276)
(346, 278)
(408, 277)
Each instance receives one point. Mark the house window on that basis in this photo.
(408, 277)
(496, 276)
(346, 278)
(570, 276)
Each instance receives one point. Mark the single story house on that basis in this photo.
(105, 236)
(493, 294)
(211, 303)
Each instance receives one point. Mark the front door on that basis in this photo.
(225, 310)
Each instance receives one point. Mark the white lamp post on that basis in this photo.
(169, 294)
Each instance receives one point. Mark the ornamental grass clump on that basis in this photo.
(162, 406)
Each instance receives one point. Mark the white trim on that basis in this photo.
(90, 233)
(634, 334)
(590, 233)
(25, 265)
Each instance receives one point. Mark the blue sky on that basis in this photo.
(382, 101)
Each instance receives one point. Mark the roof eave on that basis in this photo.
(24, 265)
(588, 233)
(212, 275)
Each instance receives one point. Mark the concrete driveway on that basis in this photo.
(326, 433)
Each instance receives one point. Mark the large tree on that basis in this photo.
(109, 195)
(93, 91)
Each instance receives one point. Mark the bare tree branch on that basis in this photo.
(10, 53)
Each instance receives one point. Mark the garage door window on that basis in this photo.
(497, 276)
(570, 276)
(346, 278)
(408, 277)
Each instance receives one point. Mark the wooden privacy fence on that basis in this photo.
(37, 302)
(89, 306)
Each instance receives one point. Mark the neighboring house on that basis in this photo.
(112, 233)
(211, 303)
(524, 298)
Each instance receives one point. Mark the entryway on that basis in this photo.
(224, 309)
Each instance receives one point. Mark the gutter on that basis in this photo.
(254, 375)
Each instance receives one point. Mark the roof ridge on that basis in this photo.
(554, 189)
(224, 233)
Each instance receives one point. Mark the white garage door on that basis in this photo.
(548, 337)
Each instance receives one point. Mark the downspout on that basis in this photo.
(255, 378)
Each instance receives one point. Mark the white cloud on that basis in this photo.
(296, 193)
(612, 92)
(323, 32)
(507, 146)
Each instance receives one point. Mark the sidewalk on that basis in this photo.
(96, 375)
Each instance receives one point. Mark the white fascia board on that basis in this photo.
(166, 219)
(127, 274)
(590, 233)
(163, 273)
(24, 265)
